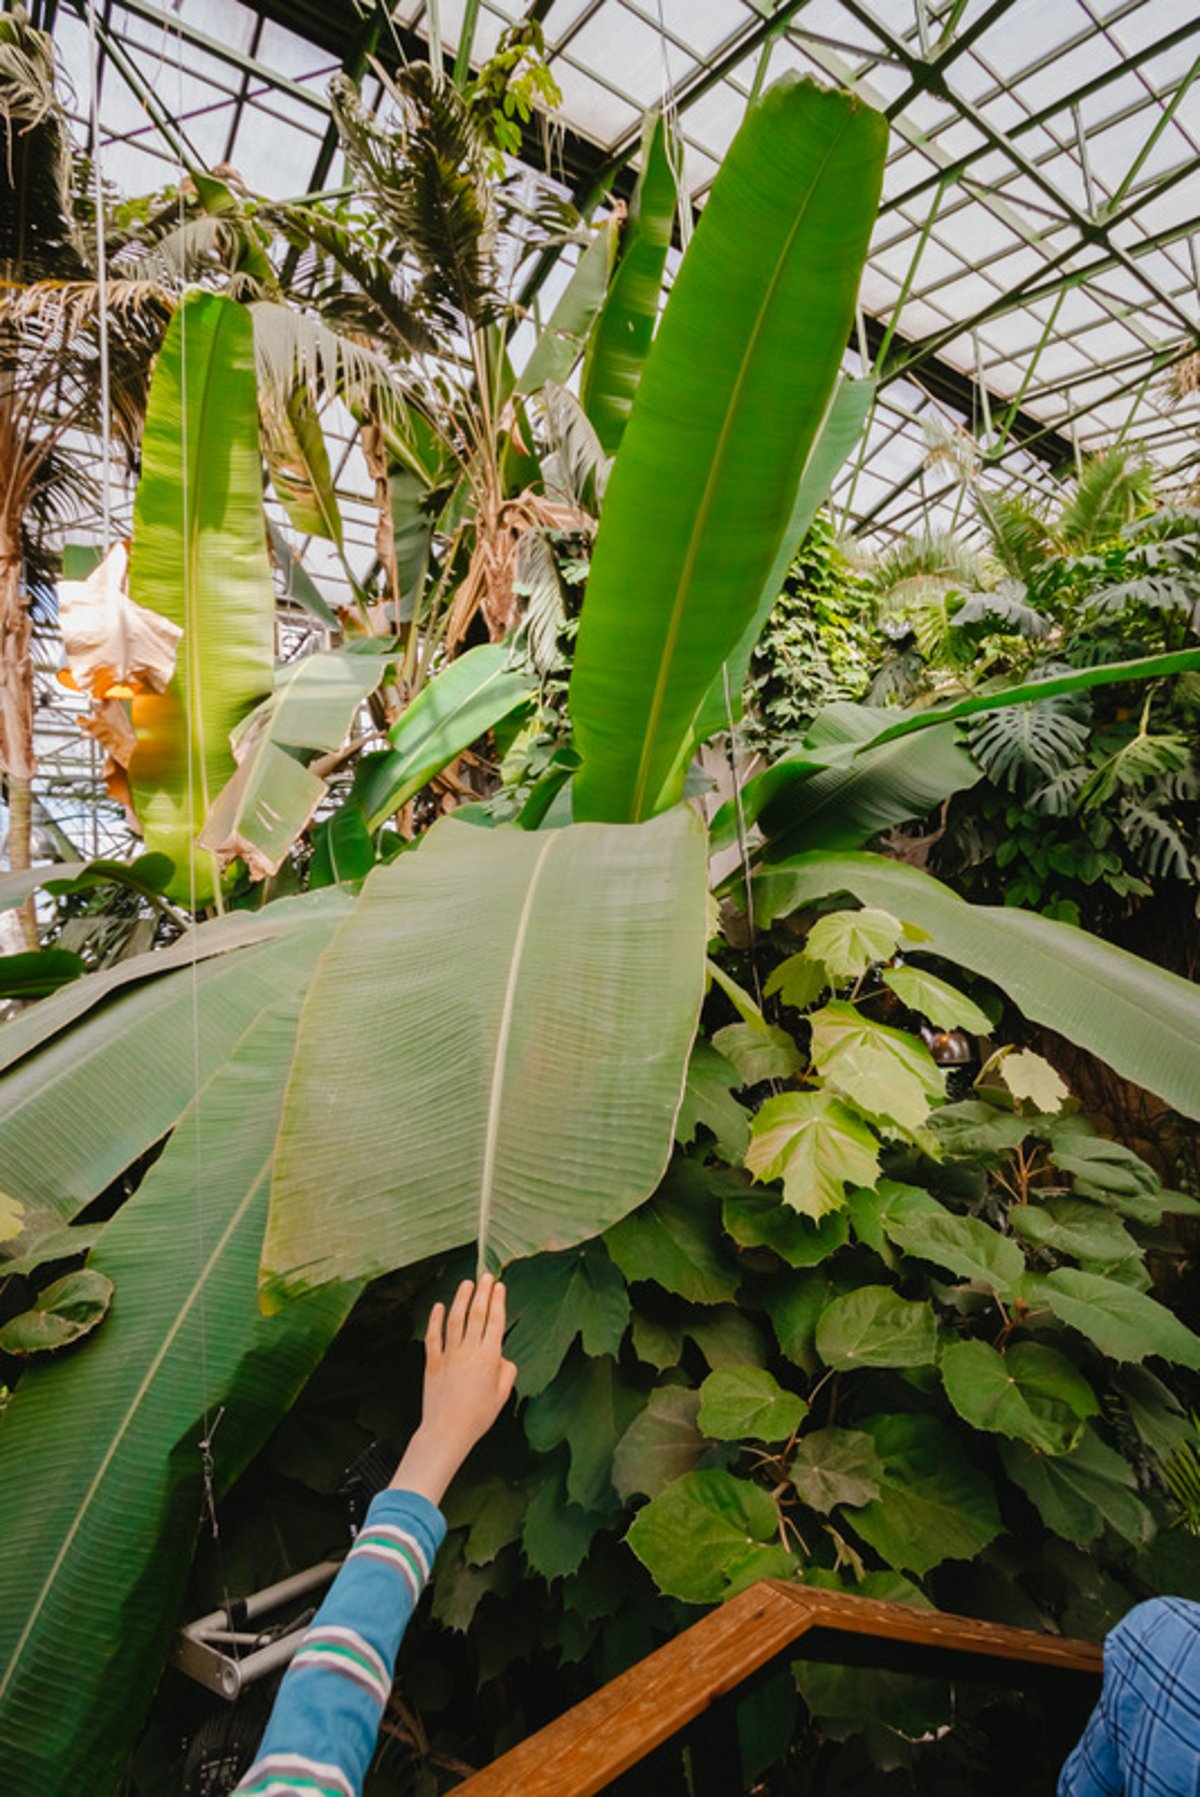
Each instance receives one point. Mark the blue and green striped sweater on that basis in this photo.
(323, 1728)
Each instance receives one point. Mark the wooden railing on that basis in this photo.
(671, 1690)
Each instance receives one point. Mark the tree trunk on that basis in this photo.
(16, 710)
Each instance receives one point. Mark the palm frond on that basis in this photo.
(374, 300)
(296, 348)
(576, 468)
(1111, 490)
(1019, 535)
(37, 210)
(921, 566)
(537, 582)
(1024, 743)
(1181, 380)
(428, 181)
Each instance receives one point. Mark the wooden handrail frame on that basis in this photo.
(584, 1751)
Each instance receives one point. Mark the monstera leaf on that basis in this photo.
(530, 1000)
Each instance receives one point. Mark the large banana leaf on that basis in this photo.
(624, 330)
(199, 557)
(843, 426)
(563, 335)
(871, 737)
(464, 701)
(1143, 1021)
(733, 395)
(100, 1475)
(270, 799)
(529, 1001)
(83, 1099)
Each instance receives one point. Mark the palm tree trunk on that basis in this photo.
(16, 710)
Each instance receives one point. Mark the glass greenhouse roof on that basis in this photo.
(1035, 264)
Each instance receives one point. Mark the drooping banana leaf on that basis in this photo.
(1143, 1021)
(298, 460)
(733, 395)
(100, 1072)
(778, 796)
(100, 1477)
(298, 583)
(844, 423)
(271, 797)
(565, 331)
(624, 330)
(199, 557)
(846, 785)
(447, 716)
(530, 1000)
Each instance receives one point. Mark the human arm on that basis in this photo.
(322, 1731)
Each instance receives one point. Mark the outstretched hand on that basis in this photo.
(467, 1383)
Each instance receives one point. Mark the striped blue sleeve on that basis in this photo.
(325, 1723)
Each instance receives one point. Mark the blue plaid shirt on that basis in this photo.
(1143, 1739)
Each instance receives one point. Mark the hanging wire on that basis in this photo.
(101, 281)
(673, 135)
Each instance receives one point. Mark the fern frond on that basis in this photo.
(1111, 489)
(1042, 738)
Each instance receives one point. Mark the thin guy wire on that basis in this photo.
(101, 281)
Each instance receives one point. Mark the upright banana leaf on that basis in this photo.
(101, 1473)
(624, 330)
(733, 395)
(1143, 1021)
(99, 1073)
(565, 331)
(530, 1001)
(844, 423)
(466, 699)
(199, 557)
(268, 802)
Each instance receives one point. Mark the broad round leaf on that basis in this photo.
(1123, 1323)
(740, 1403)
(944, 1005)
(846, 943)
(874, 1327)
(66, 1310)
(934, 1505)
(1030, 1393)
(887, 1073)
(1073, 1226)
(530, 1000)
(816, 1145)
(1078, 1493)
(836, 1466)
(708, 1536)
(660, 1445)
